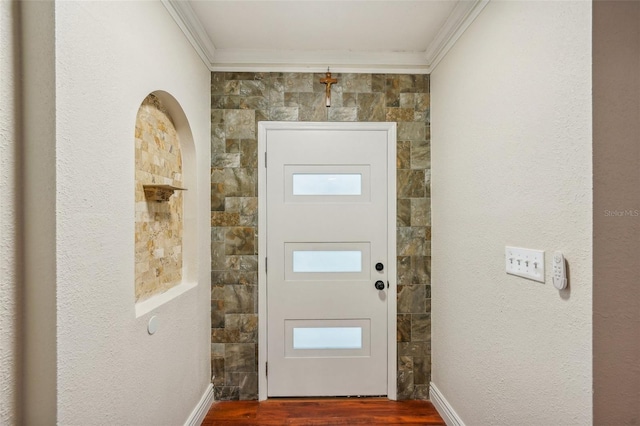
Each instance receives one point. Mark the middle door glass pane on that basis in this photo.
(327, 338)
(327, 261)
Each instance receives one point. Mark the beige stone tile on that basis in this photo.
(298, 82)
(276, 92)
(403, 212)
(246, 324)
(404, 271)
(403, 153)
(411, 241)
(413, 349)
(292, 99)
(217, 175)
(399, 114)
(240, 357)
(312, 107)
(412, 131)
(408, 101)
(224, 218)
(283, 113)
(249, 153)
(410, 183)
(231, 88)
(239, 75)
(404, 328)
(371, 107)
(240, 240)
(217, 313)
(343, 114)
(217, 83)
(232, 146)
(420, 391)
(239, 299)
(248, 384)
(218, 258)
(224, 160)
(239, 124)
(217, 116)
(253, 88)
(240, 182)
(348, 100)
(419, 211)
(254, 102)
(377, 83)
(355, 83)
(422, 102)
(411, 299)
(421, 270)
(420, 327)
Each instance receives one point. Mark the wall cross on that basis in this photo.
(328, 81)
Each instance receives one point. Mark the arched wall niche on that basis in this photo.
(165, 240)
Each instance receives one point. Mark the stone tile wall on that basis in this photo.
(158, 226)
(238, 102)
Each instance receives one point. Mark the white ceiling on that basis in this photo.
(310, 35)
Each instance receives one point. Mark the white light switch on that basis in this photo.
(525, 263)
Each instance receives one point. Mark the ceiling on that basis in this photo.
(311, 35)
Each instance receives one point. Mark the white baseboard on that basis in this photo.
(445, 409)
(200, 411)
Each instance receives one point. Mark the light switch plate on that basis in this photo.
(525, 263)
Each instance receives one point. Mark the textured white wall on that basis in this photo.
(511, 154)
(9, 214)
(109, 370)
(616, 212)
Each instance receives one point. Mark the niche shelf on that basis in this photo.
(160, 193)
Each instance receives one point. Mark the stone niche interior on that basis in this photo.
(158, 225)
(238, 102)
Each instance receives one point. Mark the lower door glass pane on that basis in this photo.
(327, 338)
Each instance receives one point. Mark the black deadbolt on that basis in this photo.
(380, 285)
(379, 266)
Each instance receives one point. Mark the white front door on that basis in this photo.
(329, 226)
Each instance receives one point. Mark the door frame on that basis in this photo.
(390, 128)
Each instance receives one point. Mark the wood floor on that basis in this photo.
(323, 412)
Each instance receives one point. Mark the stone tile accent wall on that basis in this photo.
(158, 226)
(238, 102)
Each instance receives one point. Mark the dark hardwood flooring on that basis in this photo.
(323, 412)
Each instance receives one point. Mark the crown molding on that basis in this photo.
(185, 17)
(457, 23)
(318, 61)
(425, 62)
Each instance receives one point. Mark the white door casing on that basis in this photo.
(295, 298)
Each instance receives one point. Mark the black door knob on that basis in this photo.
(380, 285)
(379, 266)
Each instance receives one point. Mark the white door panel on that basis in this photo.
(327, 220)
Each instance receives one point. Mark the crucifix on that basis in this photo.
(328, 81)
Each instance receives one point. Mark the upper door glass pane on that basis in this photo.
(327, 261)
(327, 184)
